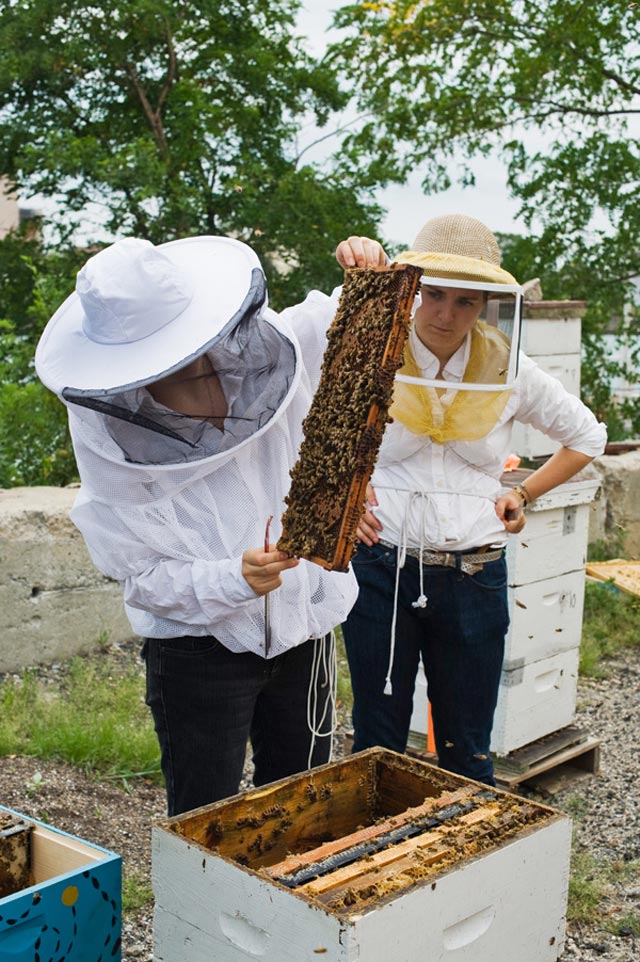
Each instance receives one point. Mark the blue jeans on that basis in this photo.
(206, 703)
(460, 635)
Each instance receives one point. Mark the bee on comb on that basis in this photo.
(346, 420)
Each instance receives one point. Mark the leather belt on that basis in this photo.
(470, 563)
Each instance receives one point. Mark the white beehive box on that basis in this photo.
(553, 327)
(545, 562)
(546, 618)
(551, 336)
(214, 899)
(554, 540)
(534, 700)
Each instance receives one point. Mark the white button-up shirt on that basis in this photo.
(442, 496)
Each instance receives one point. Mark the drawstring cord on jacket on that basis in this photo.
(421, 600)
(401, 557)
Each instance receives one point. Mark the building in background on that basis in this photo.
(12, 213)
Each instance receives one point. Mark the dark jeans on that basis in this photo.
(207, 702)
(460, 635)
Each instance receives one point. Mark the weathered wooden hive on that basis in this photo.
(375, 857)
(345, 424)
(60, 897)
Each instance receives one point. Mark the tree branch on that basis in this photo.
(155, 121)
(155, 116)
(565, 109)
(332, 133)
(620, 81)
(171, 73)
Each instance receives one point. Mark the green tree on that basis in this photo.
(35, 447)
(608, 311)
(552, 86)
(177, 117)
(162, 119)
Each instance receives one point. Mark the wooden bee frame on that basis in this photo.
(346, 421)
(15, 853)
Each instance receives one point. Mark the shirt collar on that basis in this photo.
(429, 364)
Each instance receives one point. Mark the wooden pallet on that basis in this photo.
(551, 763)
(548, 764)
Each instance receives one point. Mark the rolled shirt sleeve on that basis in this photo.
(546, 405)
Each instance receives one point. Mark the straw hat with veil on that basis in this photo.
(459, 251)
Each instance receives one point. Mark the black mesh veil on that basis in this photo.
(206, 403)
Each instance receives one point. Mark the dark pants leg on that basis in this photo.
(380, 719)
(206, 701)
(460, 635)
(297, 699)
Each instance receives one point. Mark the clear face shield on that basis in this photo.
(495, 337)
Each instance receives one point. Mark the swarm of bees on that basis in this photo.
(346, 421)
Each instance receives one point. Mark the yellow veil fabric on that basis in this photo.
(456, 415)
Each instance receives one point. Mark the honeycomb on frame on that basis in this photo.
(348, 414)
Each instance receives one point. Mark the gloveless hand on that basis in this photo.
(369, 526)
(360, 252)
(262, 569)
(509, 509)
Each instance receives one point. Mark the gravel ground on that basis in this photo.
(606, 811)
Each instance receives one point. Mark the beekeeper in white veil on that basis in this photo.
(186, 395)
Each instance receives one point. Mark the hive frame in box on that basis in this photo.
(348, 414)
(214, 894)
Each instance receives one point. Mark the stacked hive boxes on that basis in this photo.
(546, 561)
(551, 337)
(546, 596)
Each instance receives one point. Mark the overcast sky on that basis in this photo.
(407, 207)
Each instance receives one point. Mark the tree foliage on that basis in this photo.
(161, 119)
(608, 313)
(171, 118)
(35, 447)
(553, 87)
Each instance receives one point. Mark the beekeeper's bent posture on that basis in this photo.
(186, 396)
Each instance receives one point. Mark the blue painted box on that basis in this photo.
(64, 896)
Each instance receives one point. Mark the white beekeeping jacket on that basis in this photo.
(173, 530)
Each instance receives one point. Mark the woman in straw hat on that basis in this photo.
(186, 396)
(430, 565)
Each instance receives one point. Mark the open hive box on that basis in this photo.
(348, 414)
(376, 857)
(59, 896)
